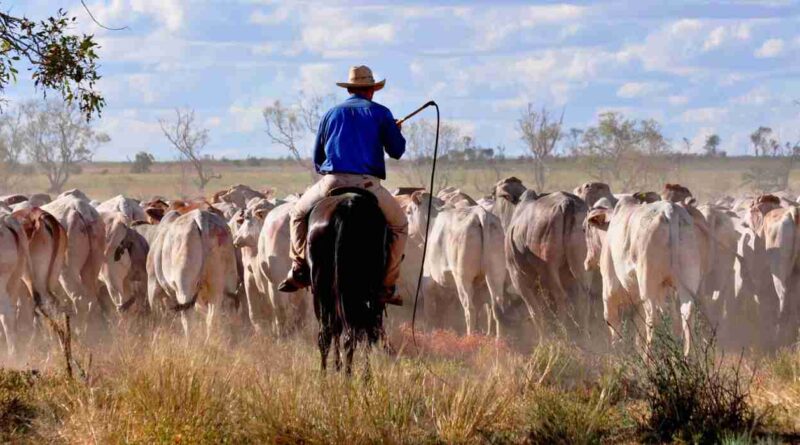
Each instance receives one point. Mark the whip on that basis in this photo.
(430, 204)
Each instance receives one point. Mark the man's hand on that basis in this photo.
(399, 124)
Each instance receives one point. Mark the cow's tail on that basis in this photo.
(215, 237)
(674, 224)
(784, 255)
(522, 265)
(114, 237)
(484, 238)
(21, 241)
(59, 250)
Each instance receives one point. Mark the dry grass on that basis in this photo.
(707, 178)
(154, 388)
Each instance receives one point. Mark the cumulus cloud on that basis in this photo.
(678, 100)
(317, 78)
(704, 115)
(493, 25)
(169, 14)
(757, 96)
(723, 34)
(676, 47)
(632, 90)
(770, 48)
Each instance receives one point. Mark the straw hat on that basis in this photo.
(360, 77)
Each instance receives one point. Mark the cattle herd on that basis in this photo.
(559, 259)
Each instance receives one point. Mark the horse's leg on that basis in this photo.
(350, 342)
(324, 343)
(336, 349)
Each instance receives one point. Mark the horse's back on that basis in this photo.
(347, 253)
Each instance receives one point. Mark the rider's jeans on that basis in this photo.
(394, 214)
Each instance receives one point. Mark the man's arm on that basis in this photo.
(319, 144)
(393, 141)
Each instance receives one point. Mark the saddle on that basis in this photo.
(339, 191)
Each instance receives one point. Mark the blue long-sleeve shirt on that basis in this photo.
(352, 137)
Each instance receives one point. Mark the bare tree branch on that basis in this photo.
(541, 133)
(189, 141)
(57, 138)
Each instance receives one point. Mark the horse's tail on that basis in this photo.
(359, 261)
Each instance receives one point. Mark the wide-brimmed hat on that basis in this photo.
(360, 77)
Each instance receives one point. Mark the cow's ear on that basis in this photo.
(155, 214)
(598, 218)
(416, 197)
(262, 213)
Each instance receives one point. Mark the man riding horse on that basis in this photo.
(351, 140)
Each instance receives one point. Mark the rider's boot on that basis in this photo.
(299, 278)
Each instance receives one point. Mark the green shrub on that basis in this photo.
(17, 411)
(694, 398)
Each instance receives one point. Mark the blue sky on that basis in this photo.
(698, 67)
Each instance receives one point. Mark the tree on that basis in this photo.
(189, 141)
(57, 138)
(12, 135)
(629, 152)
(285, 128)
(142, 162)
(57, 60)
(711, 145)
(771, 174)
(420, 140)
(763, 142)
(540, 132)
(289, 126)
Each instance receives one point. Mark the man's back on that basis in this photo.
(352, 137)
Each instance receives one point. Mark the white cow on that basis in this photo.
(465, 250)
(645, 253)
(192, 264)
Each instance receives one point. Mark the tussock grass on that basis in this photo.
(154, 388)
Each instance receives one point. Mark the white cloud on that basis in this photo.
(118, 13)
(168, 12)
(277, 16)
(335, 31)
(678, 46)
(317, 78)
(705, 115)
(493, 25)
(246, 118)
(632, 90)
(725, 33)
(757, 96)
(131, 130)
(770, 48)
(678, 100)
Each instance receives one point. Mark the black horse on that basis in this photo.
(347, 251)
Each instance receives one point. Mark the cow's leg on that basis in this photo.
(687, 307)
(644, 322)
(211, 309)
(430, 298)
(98, 307)
(8, 318)
(495, 283)
(558, 295)
(185, 326)
(466, 294)
(70, 280)
(251, 293)
(613, 302)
